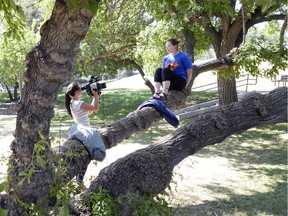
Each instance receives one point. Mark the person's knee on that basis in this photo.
(166, 74)
(158, 70)
(166, 70)
(157, 75)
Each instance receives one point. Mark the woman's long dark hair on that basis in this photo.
(71, 89)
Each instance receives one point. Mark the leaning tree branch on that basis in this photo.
(149, 170)
(282, 32)
(212, 64)
(131, 61)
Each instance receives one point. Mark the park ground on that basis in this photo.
(215, 178)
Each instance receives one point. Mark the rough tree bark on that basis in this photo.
(149, 170)
(49, 65)
(227, 87)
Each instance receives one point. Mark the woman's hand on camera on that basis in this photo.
(95, 93)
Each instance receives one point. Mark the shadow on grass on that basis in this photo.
(260, 154)
(269, 203)
(261, 145)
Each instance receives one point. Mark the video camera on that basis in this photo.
(97, 87)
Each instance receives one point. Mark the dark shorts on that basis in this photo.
(177, 82)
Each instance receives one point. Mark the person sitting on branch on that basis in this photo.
(176, 71)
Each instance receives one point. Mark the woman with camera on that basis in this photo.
(78, 109)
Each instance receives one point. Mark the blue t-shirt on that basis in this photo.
(178, 63)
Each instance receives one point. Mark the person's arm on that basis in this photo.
(189, 76)
(187, 63)
(94, 104)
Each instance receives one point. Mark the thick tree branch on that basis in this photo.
(212, 64)
(261, 19)
(149, 170)
(282, 32)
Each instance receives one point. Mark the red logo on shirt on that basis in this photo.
(172, 65)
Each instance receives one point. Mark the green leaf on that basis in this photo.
(73, 3)
(92, 6)
(41, 162)
(64, 211)
(3, 185)
(30, 174)
(23, 174)
(20, 183)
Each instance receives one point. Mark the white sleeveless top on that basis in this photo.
(80, 116)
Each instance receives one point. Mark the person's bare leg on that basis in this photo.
(166, 85)
(157, 87)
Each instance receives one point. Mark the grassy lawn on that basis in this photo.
(117, 103)
(250, 177)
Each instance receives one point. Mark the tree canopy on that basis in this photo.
(129, 35)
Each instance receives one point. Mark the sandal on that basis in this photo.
(156, 96)
(163, 96)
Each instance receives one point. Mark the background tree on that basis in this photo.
(12, 59)
(12, 19)
(111, 42)
(16, 43)
(222, 24)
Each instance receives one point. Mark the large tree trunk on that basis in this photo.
(224, 40)
(226, 88)
(149, 170)
(189, 43)
(49, 65)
